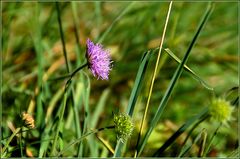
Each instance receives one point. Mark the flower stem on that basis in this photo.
(73, 73)
(69, 75)
(78, 69)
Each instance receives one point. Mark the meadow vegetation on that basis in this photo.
(192, 105)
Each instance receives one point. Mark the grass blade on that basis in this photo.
(202, 115)
(9, 140)
(211, 140)
(153, 77)
(135, 92)
(76, 116)
(235, 153)
(20, 141)
(173, 82)
(105, 144)
(138, 82)
(36, 36)
(83, 137)
(203, 143)
(122, 13)
(44, 145)
(62, 36)
(94, 120)
(186, 148)
(193, 128)
(195, 76)
(74, 7)
(99, 108)
(59, 122)
(98, 15)
(86, 95)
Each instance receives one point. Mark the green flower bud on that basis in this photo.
(221, 110)
(123, 126)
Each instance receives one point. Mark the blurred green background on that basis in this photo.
(32, 52)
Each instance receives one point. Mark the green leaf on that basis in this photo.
(99, 108)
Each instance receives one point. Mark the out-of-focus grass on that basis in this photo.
(214, 58)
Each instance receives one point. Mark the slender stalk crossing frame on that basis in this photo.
(83, 137)
(173, 82)
(153, 77)
(76, 117)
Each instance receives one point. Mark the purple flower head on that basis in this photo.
(99, 61)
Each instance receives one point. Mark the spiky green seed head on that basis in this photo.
(123, 126)
(221, 110)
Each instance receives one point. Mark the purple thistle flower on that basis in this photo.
(99, 61)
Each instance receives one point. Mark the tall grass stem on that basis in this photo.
(62, 36)
(173, 82)
(154, 76)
